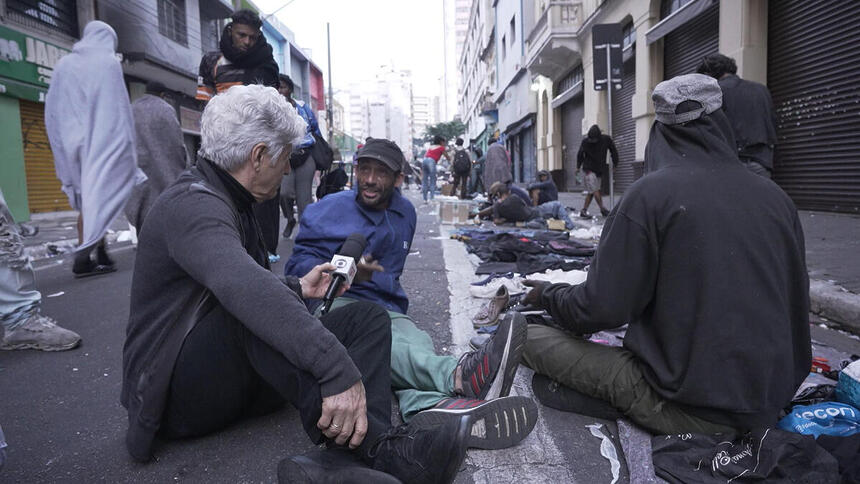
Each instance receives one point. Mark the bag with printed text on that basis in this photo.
(766, 455)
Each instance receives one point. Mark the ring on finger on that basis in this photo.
(334, 426)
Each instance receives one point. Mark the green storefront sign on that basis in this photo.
(26, 64)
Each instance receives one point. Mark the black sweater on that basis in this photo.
(201, 235)
(592, 153)
(706, 262)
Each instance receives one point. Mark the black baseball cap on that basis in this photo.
(383, 150)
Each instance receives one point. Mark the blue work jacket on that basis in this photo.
(327, 223)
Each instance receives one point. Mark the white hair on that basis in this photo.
(239, 118)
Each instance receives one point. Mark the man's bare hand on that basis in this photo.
(365, 269)
(344, 416)
(315, 283)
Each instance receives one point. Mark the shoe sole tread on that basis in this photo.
(496, 424)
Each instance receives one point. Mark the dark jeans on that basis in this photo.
(461, 180)
(225, 372)
(476, 180)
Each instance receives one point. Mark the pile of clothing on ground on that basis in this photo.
(505, 258)
(816, 440)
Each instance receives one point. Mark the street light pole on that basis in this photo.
(329, 108)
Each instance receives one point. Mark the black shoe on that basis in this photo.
(555, 395)
(431, 453)
(488, 372)
(102, 257)
(584, 214)
(288, 230)
(333, 466)
(604, 212)
(496, 424)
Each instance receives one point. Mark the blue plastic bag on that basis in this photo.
(826, 418)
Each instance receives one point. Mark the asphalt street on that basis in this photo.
(63, 421)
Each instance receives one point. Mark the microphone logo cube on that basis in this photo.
(344, 266)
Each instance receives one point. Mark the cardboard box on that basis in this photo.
(455, 211)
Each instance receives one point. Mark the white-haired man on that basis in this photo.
(214, 335)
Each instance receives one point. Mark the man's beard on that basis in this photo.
(380, 202)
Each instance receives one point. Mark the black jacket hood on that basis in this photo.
(703, 141)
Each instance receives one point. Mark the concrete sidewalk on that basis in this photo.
(832, 257)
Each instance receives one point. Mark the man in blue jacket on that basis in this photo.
(421, 379)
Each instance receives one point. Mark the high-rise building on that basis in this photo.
(456, 25)
(425, 112)
(382, 107)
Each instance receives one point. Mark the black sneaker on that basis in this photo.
(604, 212)
(288, 230)
(102, 257)
(333, 466)
(430, 453)
(488, 372)
(496, 424)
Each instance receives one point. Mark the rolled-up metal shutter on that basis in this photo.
(44, 191)
(571, 137)
(684, 48)
(814, 78)
(624, 131)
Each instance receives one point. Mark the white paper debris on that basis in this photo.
(607, 449)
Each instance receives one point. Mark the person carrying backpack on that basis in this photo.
(461, 167)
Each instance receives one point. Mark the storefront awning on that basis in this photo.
(676, 19)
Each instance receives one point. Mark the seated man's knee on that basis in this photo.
(373, 317)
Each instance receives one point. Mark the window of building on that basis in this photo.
(504, 47)
(628, 35)
(171, 20)
(571, 79)
(670, 6)
(55, 15)
(513, 31)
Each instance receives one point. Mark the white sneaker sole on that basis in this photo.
(514, 346)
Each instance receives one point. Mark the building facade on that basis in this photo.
(804, 51)
(382, 107)
(158, 40)
(455, 18)
(514, 97)
(425, 113)
(477, 68)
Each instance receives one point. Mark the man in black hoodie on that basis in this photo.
(592, 159)
(716, 295)
(749, 107)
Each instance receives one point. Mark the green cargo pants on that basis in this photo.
(611, 374)
(420, 378)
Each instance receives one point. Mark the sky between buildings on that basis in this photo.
(407, 34)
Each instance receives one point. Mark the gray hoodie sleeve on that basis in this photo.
(205, 242)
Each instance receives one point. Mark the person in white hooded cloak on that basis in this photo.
(91, 131)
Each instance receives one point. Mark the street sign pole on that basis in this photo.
(609, 89)
(608, 76)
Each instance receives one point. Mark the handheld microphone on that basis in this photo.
(344, 263)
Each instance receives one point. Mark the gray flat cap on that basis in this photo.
(690, 87)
